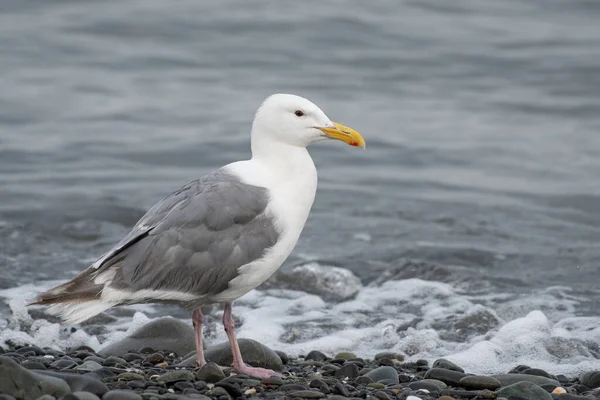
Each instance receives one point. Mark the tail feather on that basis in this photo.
(77, 312)
(76, 300)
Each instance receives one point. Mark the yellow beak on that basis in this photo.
(345, 134)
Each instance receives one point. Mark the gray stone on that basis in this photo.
(316, 356)
(88, 366)
(210, 373)
(509, 379)
(538, 372)
(77, 383)
(176, 376)
(383, 373)
(44, 397)
(347, 371)
(130, 376)
(33, 364)
(526, 390)
(436, 382)
(590, 379)
(253, 353)
(121, 395)
(447, 376)
(345, 355)
(479, 382)
(331, 283)
(164, 333)
(85, 396)
(307, 394)
(443, 363)
(432, 387)
(22, 383)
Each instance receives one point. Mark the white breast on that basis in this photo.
(292, 190)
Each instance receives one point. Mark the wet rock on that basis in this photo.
(363, 380)
(254, 354)
(424, 385)
(307, 394)
(29, 364)
(571, 396)
(347, 371)
(176, 376)
(83, 396)
(22, 383)
(154, 358)
(538, 372)
(331, 283)
(121, 395)
(590, 379)
(78, 383)
(479, 382)
(525, 390)
(376, 385)
(284, 357)
(113, 361)
(439, 384)
(509, 379)
(210, 373)
(272, 381)
(88, 366)
(289, 387)
(316, 356)
(63, 364)
(164, 333)
(38, 351)
(384, 373)
(447, 376)
(443, 363)
(130, 376)
(389, 355)
(345, 355)
(341, 389)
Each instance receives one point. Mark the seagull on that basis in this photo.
(218, 237)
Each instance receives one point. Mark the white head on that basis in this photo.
(295, 121)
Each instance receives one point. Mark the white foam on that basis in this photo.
(421, 319)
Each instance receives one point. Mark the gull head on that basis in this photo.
(297, 121)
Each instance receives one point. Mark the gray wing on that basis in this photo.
(195, 239)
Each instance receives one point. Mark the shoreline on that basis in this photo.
(154, 374)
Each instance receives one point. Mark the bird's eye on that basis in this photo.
(299, 113)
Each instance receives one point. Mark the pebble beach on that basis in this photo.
(130, 369)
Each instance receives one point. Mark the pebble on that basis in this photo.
(526, 390)
(349, 371)
(176, 376)
(121, 395)
(307, 394)
(88, 366)
(130, 376)
(344, 355)
(443, 363)
(210, 373)
(383, 373)
(417, 385)
(447, 376)
(316, 356)
(590, 379)
(153, 374)
(154, 358)
(479, 382)
(509, 379)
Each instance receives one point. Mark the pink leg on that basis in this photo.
(238, 363)
(198, 320)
